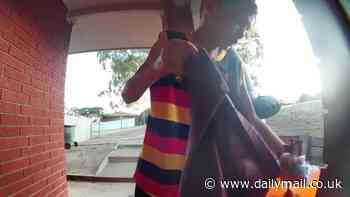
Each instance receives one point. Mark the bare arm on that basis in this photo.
(137, 85)
(275, 142)
(289, 162)
(146, 75)
(172, 52)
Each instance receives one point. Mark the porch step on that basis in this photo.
(119, 169)
(121, 162)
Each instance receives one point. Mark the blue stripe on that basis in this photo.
(169, 80)
(169, 177)
(166, 128)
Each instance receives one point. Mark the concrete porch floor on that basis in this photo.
(89, 189)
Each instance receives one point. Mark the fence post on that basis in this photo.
(91, 129)
(99, 128)
(309, 148)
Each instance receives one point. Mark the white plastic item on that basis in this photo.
(157, 64)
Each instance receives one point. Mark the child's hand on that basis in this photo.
(154, 67)
(292, 166)
(156, 49)
(175, 53)
(168, 56)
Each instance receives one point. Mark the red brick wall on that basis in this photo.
(34, 37)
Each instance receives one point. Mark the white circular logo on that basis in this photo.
(209, 183)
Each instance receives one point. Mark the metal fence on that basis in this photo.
(104, 128)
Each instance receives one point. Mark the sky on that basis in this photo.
(85, 79)
(289, 65)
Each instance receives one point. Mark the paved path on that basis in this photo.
(85, 159)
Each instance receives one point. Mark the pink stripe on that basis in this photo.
(154, 188)
(165, 144)
(169, 94)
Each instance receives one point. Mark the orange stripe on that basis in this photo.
(163, 160)
(170, 112)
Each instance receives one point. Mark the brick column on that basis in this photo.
(34, 38)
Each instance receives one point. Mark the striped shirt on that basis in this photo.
(162, 158)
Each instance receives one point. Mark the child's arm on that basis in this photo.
(145, 76)
(137, 85)
(275, 142)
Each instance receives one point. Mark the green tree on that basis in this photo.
(123, 64)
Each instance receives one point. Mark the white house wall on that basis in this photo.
(82, 127)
